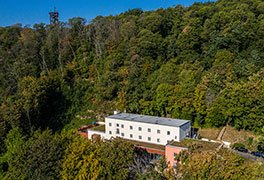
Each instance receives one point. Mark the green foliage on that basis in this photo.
(228, 107)
(159, 171)
(64, 156)
(202, 63)
(260, 145)
(218, 165)
(116, 158)
(77, 123)
(14, 143)
(237, 145)
(81, 160)
(37, 158)
(97, 160)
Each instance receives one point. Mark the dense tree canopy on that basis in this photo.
(218, 165)
(202, 63)
(192, 63)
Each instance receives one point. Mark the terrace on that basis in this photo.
(196, 145)
(100, 128)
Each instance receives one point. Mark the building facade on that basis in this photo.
(149, 129)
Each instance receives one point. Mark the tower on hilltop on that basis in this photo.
(54, 17)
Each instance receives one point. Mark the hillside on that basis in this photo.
(204, 63)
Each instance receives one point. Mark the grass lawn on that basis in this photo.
(197, 145)
(209, 133)
(99, 128)
(246, 137)
(231, 135)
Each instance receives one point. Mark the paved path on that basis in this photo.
(247, 155)
(219, 138)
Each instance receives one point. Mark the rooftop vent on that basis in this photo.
(116, 112)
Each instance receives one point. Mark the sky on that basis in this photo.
(29, 12)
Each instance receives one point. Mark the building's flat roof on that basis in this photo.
(149, 119)
(196, 145)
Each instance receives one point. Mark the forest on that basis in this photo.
(202, 63)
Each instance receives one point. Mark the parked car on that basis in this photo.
(258, 154)
(241, 149)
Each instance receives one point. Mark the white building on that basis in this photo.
(149, 129)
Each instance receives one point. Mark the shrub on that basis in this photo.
(237, 145)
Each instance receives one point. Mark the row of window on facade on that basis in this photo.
(139, 128)
(139, 137)
(131, 136)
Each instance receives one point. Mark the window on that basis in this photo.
(149, 138)
(122, 134)
(131, 127)
(175, 137)
(168, 132)
(158, 131)
(149, 130)
(139, 137)
(122, 125)
(131, 135)
(117, 131)
(175, 154)
(158, 140)
(110, 132)
(139, 128)
(110, 124)
(117, 125)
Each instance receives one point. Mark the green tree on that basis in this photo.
(216, 165)
(37, 158)
(81, 160)
(116, 157)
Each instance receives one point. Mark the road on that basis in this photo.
(247, 155)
